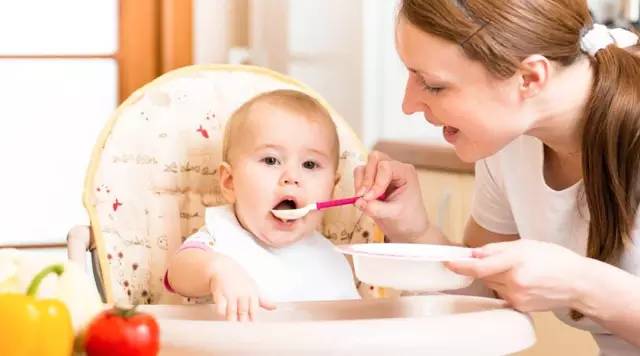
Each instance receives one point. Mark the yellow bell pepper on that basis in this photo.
(30, 326)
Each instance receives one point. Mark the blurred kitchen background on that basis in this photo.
(67, 64)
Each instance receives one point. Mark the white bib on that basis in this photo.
(310, 269)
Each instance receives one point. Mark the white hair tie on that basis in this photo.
(600, 37)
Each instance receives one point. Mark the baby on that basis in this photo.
(280, 152)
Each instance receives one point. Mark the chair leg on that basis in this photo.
(97, 274)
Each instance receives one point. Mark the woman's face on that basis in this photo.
(479, 113)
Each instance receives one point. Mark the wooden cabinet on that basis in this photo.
(558, 338)
(447, 197)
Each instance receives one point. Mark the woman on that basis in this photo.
(548, 106)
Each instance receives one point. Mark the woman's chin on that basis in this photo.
(471, 153)
(466, 154)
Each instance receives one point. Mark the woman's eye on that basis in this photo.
(310, 165)
(427, 87)
(270, 161)
(432, 90)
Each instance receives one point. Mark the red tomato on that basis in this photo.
(123, 332)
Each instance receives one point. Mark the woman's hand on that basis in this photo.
(530, 275)
(402, 215)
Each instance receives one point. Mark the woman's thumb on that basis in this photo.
(379, 209)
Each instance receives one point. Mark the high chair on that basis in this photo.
(153, 172)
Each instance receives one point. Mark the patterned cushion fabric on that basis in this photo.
(153, 171)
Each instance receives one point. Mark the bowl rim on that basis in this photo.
(424, 252)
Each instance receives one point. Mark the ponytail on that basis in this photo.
(611, 152)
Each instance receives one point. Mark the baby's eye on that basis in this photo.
(270, 161)
(310, 165)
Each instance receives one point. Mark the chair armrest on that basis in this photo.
(79, 241)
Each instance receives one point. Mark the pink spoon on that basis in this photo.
(293, 214)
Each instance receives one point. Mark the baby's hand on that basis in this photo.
(234, 292)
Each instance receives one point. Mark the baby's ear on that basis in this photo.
(225, 176)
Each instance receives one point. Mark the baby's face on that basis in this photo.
(281, 160)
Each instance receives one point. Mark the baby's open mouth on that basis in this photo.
(285, 204)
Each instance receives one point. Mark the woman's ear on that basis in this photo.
(534, 75)
(225, 176)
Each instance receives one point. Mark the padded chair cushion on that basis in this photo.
(153, 171)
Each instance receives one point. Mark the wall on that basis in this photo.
(218, 26)
(344, 50)
(385, 77)
(604, 10)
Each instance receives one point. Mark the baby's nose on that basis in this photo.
(288, 181)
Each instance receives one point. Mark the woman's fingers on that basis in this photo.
(378, 209)
(495, 284)
(370, 171)
(492, 249)
(384, 174)
(358, 177)
(392, 176)
(484, 267)
(369, 174)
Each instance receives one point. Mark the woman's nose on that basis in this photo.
(410, 103)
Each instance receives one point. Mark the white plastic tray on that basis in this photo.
(435, 324)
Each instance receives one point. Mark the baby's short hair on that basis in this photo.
(293, 100)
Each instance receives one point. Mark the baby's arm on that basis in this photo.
(190, 270)
(196, 270)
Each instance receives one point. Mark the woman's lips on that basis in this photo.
(450, 134)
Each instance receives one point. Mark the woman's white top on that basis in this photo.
(512, 197)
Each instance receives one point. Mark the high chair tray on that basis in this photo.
(435, 324)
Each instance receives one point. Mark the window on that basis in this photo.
(65, 65)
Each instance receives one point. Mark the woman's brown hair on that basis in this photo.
(500, 34)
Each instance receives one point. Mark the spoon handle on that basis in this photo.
(338, 202)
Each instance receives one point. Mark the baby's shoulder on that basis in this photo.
(203, 234)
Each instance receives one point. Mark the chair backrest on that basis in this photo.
(153, 171)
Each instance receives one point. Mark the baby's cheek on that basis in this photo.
(325, 188)
(316, 222)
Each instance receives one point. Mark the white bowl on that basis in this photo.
(409, 267)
